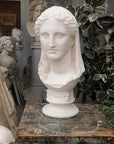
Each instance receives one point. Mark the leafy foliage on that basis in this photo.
(109, 113)
(97, 35)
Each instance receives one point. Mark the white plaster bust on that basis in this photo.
(61, 63)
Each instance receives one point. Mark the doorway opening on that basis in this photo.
(10, 16)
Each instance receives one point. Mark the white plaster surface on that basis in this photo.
(6, 136)
(60, 111)
(61, 64)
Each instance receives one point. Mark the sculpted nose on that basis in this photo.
(51, 42)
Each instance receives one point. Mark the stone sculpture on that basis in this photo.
(7, 70)
(7, 55)
(17, 34)
(36, 8)
(61, 64)
(7, 45)
(7, 109)
(10, 86)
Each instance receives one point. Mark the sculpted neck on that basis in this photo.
(62, 66)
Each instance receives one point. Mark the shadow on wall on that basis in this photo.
(27, 72)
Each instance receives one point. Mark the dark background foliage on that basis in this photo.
(97, 36)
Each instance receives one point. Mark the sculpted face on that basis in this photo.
(55, 39)
(7, 43)
(38, 10)
(17, 34)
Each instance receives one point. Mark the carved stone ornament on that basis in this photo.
(61, 64)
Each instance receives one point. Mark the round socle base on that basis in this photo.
(60, 111)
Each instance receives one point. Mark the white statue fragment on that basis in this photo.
(61, 64)
(17, 34)
(6, 136)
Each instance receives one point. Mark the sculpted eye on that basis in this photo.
(59, 35)
(45, 35)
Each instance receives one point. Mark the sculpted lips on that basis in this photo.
(52, 50)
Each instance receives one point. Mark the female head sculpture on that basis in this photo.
(65, 17)
(61, 64)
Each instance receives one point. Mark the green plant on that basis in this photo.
(109, 113)
(97, 35)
